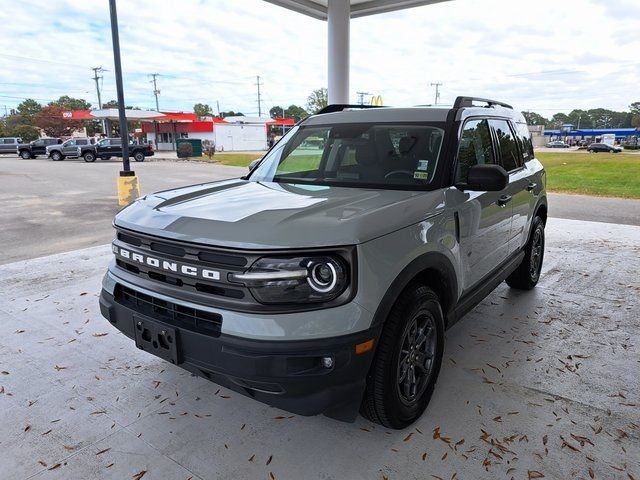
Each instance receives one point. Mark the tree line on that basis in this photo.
(593, 118)
(317, 100)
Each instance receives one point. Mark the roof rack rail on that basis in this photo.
(468, 102)
(338, 107)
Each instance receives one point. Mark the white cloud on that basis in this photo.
(543, 55)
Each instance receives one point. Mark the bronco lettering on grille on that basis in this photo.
(169, 266)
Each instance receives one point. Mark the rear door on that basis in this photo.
(485, 221)
(516, 194)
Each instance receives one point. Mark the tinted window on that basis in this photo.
(69, 143)
(475, 148)
(524, 140)
(81, 142)
(509, 155)
(368, 154)
(38, 143)
(116, 141)
(8, 141)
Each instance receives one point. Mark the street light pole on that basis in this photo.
(127, 181)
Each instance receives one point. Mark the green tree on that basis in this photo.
(276, 112)
(317, 100)
(558, 120)
(296, 112)
(70, 103)
(28, 133)
(202, 110)
(231, 113)
(534, 118)
(28, 108)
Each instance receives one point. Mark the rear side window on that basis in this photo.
(475, 148)
(509, 156)
(524, 139)
(9, 141)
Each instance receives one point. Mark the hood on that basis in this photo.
(246, 214)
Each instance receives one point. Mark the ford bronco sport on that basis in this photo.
(323, 281)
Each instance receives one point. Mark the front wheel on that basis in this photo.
(138, 157)
(56, 156)
(526, 276)
(407, 361)
(89, 157)
(25, 154)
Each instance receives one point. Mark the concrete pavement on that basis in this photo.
(533, 384)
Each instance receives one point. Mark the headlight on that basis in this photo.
(278, 280)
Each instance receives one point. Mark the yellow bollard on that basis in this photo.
(128, 188)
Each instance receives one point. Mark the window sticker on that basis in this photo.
(421, 175)
(423, 165)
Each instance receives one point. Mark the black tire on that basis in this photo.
(387, 400)
(526, 276)
(57, 156)
(25, 154)
(138, 156)
(89, 157)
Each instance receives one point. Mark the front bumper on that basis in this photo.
(286, 374)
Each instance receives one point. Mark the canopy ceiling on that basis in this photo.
(359, 8)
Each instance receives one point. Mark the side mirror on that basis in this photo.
(254, 164)
(490, 178)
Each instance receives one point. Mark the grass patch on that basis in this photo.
(233, 159)
(603, 174)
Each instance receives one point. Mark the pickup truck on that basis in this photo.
(112, 147)
(60, 151)
(35, 148)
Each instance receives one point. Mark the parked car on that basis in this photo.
(112, 147)
(325, 285)
(35, 148)
(603, 147)
(69, 148)
(9, 144)
(557, 144)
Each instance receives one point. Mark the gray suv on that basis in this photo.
(324, 280)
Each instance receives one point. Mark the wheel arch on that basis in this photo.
(431, 269)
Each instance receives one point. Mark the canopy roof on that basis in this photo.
(359, 8)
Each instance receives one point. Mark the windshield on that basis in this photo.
(360, 155)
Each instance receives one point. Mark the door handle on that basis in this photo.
(503, 200)
(531, 186)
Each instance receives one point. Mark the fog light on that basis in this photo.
(327, 362)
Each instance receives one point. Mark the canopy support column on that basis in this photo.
(339, 12)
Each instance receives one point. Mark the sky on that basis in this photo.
(545, 56)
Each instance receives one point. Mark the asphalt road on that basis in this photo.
(58, 207)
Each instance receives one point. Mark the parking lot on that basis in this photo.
(537, 383)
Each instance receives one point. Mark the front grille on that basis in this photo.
(207, 323)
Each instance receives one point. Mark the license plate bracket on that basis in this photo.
(156, 338)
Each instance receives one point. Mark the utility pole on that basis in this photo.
(437, 85)
(218, 106)
(156, 92)
(96, 71)
(259, 98)
(361, 97)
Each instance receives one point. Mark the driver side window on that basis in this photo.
(475, 148)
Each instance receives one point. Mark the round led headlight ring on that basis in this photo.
(322, 276)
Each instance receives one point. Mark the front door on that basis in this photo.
(484, 217)
(69, 148)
